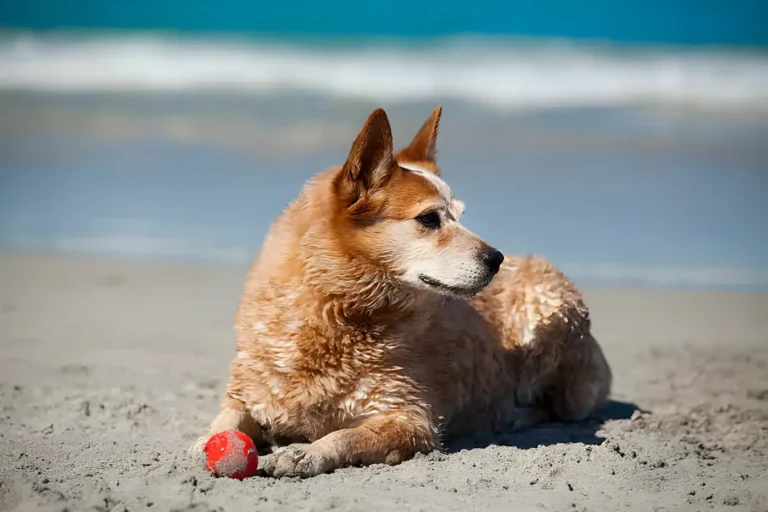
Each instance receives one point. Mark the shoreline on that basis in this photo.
(232, 258)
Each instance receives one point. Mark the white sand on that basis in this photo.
(109, 369)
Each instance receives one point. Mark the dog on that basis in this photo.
(373, 325)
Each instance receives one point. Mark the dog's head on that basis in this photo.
(396, 212)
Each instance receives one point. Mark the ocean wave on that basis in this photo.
(497, 73)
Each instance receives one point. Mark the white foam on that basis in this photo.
(497, 73)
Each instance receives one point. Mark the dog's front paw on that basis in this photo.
(302, 460)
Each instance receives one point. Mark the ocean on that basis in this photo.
(686, 22)
(624, 141)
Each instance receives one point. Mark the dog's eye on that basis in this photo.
(429, 220)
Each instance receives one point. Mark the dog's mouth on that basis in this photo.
(452, 290)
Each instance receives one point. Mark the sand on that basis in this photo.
(108, 369)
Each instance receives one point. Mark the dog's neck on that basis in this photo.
(350, 293)
(361, 299)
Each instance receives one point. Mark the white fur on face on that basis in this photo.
(453, 206)
(454, 265)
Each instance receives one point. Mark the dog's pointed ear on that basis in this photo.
(423, 147)
(370, 162)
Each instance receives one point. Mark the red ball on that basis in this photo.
(231, 454)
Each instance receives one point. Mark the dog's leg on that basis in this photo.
(389, 440)
(232, 416)
(583, 383)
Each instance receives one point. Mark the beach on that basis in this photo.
(110, 368)
(140, 169)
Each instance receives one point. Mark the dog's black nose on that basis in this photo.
(492, 258)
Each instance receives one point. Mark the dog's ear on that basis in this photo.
(423, 147)
(370, 162)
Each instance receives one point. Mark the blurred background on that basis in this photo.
(626, 141)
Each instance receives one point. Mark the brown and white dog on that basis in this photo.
(373, 323)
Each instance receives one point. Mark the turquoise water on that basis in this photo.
(625, 141)
(719, 22)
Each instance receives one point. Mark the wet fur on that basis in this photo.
(344, 351)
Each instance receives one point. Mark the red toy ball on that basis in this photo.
(231, 454)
